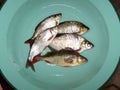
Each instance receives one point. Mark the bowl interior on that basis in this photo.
(50, 76)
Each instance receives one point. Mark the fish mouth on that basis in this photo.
(91, 44)
(59, 14)
(84, 60)
(58, 17)
(86, 27)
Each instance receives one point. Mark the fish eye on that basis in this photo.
(88, 45)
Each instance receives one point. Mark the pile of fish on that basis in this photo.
(64, 39)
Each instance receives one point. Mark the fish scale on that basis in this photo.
(42, 41)
(65, 58)
(71, 41)
(48, 22)
(72, 27)
(46, 31)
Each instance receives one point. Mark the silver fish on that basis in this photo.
(40, 43)
(71, 41)
(64, 58)
(72, 27)
(48, 22)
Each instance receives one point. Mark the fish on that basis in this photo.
(65, 58)
(48, 22)
(72, 27)
(70, 42)
(40, 44)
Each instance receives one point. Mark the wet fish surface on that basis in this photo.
(48, 22)
(40, 43)
(64, 39)
(71, 41)
(72, 27)
(64, 58)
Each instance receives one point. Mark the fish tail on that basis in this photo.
(29, 41)
(29, 63)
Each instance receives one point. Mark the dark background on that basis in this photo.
(112, 84)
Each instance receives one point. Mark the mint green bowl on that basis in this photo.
(18, 19)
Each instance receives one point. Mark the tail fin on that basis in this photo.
(29, 41)
(29, 63)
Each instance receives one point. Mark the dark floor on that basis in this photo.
(112, 84)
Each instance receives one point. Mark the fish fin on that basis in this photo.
(66, 66)
(68, 48)
(51, 49)
(29, 63)
(68, 60)
(48, 61)
(36, 59)
(29, 41)
(78, 50)
(50, 38)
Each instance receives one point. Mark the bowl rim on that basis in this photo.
(103, 6)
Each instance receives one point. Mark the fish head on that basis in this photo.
(84, 29)
(54, 30)
(58, 17)
(86, 45)
(81, 59)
